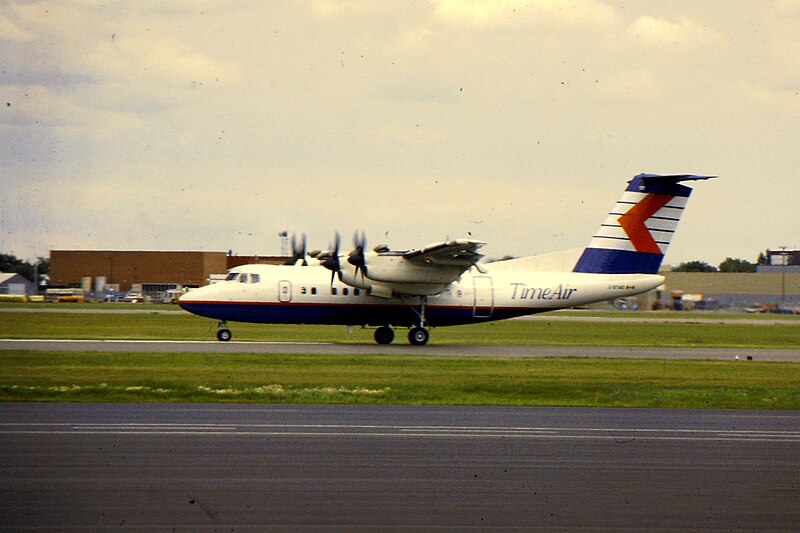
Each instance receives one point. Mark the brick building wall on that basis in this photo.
(234, 261)
(125, 268)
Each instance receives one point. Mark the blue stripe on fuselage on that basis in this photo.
(368, 315)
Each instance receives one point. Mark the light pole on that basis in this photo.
(783, 274)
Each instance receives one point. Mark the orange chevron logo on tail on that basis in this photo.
(633, 222)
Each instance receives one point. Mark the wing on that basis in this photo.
(409, 272)
(456, 253)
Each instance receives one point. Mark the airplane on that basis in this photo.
(444, 283)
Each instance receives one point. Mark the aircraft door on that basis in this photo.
(483, 304)
(285, 291)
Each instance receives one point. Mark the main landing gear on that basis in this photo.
(223, 333)
(418, 335)
(384, 335)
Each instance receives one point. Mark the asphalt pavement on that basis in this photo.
(224, 467)
(730, 354)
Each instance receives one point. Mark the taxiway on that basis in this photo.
(400, 348)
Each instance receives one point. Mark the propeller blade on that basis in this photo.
(330, 258)
(298, 252)
(357, 257)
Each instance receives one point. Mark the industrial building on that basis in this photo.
(15, 285)
(733, 289)
(124, 269)
(774, 285)
(157, 272)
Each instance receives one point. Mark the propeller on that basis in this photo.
(298, 252)
(356, 257)
(330, 258)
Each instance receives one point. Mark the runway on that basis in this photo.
(220, 467)
(432, 349)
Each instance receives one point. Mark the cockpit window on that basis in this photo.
(232, 276)
(255, 278)
(243, 278)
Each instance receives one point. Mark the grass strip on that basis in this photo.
(100, 307)
(510, 332)
(395, 379)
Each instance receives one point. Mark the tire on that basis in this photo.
(384, 335)
(224, 335)
(418, 336)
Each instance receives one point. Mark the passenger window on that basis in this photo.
(302, 290)
(255, 278)
(345, 291)
(334, 291)
(458, 293)
(313, 290)
(356, 292)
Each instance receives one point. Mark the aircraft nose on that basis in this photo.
(187, 298)
(182, 299)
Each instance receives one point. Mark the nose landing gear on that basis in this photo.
(223, 333)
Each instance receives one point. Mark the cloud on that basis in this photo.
(411, 39)
(11, 32)
(787, 7)
(483, 14)
(656, 31)
(414, 118)
(631, 85)
(782, 38)
(155, 59)
(328, 8)
(37, 105)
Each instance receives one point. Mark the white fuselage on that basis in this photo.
(305, 295)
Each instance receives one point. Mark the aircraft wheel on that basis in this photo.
(224, 335)
(384, 335)
(418, 336)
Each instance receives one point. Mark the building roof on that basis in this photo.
(6, 277)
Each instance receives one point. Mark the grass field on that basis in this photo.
(541, 332)
(400, 379)
(392, 379)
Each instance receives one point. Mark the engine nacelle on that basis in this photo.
(387, 289)
(397, 269)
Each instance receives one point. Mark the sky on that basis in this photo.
(215, 125)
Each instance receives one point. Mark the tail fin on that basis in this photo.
(634, 237)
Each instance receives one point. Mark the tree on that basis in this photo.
(10, 263)
(736, 265)
(44, 265)
(762, 259)
(694, 266)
